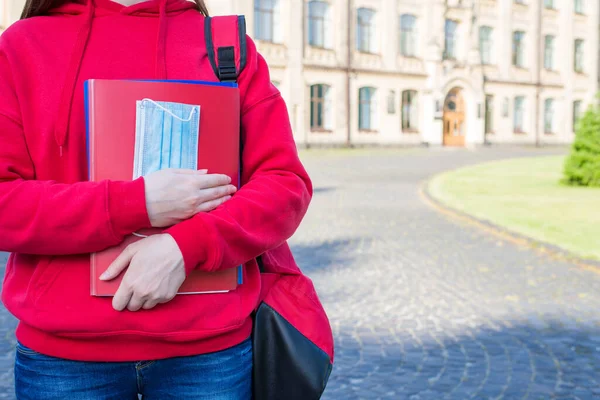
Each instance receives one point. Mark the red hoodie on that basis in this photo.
(51, 217)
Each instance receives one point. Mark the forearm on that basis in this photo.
(43, 217)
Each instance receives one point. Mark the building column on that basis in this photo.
(433, 99)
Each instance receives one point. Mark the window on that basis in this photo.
(266, 20)
(391, 103)
(365, 30)
(549, 116)
(489, 114)
(576, 113)
(579, 6)
(367, 108)
(277, 84)
(408, 35)
(410, 114)
(519, 1)
(485, 44)
(450, 39)
(578, 56)
(549, 52)
(549, 4)
(519, 115)
(320, 108)
(518, 49)
(319, 25)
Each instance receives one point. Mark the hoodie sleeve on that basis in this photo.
(276, 192)
(50, 218)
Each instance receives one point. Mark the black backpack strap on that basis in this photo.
(226, 45)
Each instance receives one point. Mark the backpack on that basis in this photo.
(292, 338)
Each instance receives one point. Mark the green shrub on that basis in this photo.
(582, 167)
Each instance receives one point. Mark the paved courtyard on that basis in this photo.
(425, 307)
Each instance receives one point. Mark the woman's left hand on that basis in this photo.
(155, 274)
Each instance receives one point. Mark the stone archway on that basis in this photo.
(454, 119)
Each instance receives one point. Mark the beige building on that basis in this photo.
(10, 11)
(428, 71)
(453, 72)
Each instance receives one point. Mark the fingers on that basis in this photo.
(188, 171)
(217, 192)
(155, 273)
(150, 304)
(122, 297)
(211, 180)
(214, 197)
(135, 302)
(212, 204)
(119, 264)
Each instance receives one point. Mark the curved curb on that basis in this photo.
(548, 249)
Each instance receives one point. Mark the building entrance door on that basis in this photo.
(454, 119)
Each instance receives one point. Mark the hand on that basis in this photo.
(155, 274)
(174, 195)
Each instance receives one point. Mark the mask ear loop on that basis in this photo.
(188, 119)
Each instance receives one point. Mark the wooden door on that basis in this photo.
(454, 119)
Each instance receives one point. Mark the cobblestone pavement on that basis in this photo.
(424, 307)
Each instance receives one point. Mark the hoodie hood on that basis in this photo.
(106, 7)
(91, 9)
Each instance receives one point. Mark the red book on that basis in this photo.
(111, 129)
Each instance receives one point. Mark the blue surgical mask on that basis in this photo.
(166, 136)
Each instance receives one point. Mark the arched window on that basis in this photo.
(549, 52)
(365, 30)
(450, 39)
(549, 116)
(486, 44)
(367, 107)
(320, 32)
(578, 62)
(518, 54)
(576, 113)
(408, 35)
(519, 115)
(320, 108)
(267, 21)
(410, 112)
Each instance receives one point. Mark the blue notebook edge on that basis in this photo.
(86, 106)
(191, 82)
(240, 268)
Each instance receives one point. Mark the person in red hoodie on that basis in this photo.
(145, 340)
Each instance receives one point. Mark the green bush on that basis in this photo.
(582, 167)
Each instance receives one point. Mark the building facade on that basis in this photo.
(10, 11)
(4, 20)
(439, 72)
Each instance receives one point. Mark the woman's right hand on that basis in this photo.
(174, 195)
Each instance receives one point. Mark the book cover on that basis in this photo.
(112, 107)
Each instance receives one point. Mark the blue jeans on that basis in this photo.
(225, 375)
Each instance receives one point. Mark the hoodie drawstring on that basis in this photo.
(72, 73)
